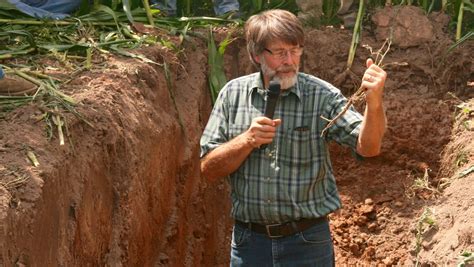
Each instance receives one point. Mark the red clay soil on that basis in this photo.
(127, 191)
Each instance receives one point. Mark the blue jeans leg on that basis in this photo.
(55, 6)
(312, 247)
(56, 9)
(223, 6)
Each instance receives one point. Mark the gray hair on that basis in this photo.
(272, 25)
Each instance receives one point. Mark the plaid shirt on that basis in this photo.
(292, 178)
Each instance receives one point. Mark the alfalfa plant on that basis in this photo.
(425, 223)
(378, 56)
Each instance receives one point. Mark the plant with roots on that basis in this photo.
(378, 56)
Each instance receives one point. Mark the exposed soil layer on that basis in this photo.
(127, 191)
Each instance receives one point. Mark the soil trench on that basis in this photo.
(127, 191)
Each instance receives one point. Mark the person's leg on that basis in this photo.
(36, 8)
(312, 247)
(55, 6)
(35, 3)
(222, 7)
(167, 6)
(250, 248)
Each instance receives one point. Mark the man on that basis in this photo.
(282, 193)
(221, 7)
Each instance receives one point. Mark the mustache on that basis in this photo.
(286, 68)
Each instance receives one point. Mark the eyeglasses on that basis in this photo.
(282, 53)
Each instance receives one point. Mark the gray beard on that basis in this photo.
(285, 83)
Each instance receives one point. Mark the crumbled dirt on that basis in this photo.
(127, 191)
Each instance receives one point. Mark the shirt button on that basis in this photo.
(269, 201)
(268, 179)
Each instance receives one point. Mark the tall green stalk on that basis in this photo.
(356, 34)
(146, 4)
(459, 24)
(444, 5)
(188, 7)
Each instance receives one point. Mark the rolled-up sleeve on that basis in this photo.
(347, 128)
(217, 128)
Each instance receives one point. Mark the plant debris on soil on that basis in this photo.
(125, 188)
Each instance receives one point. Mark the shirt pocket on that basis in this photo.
(297, 148)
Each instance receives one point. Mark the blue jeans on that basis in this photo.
(220, 6)
(55, 9)
(312, 247)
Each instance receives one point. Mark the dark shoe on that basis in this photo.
(16, 86)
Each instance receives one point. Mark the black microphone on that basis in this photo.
(273, 94)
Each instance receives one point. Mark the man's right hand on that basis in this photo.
(228, 157)
(261, 131)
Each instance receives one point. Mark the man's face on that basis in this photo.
(280, 61)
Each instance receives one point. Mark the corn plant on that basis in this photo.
(356, 34)
(217, 78)
(93, 29)
(464, 5)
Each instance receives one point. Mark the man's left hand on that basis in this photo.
(373, 82)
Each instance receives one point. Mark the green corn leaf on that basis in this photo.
(217, 78)
(133, 55)
(109, 11)
(466, 172)
(5, 5)
(466, 37)
(11, 53)
(114, 4)
(29, 37)
(468, 6)
(127, 9)
(64, 47)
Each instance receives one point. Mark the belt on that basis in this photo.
(283, 229)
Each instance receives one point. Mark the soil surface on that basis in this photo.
(126, 191)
